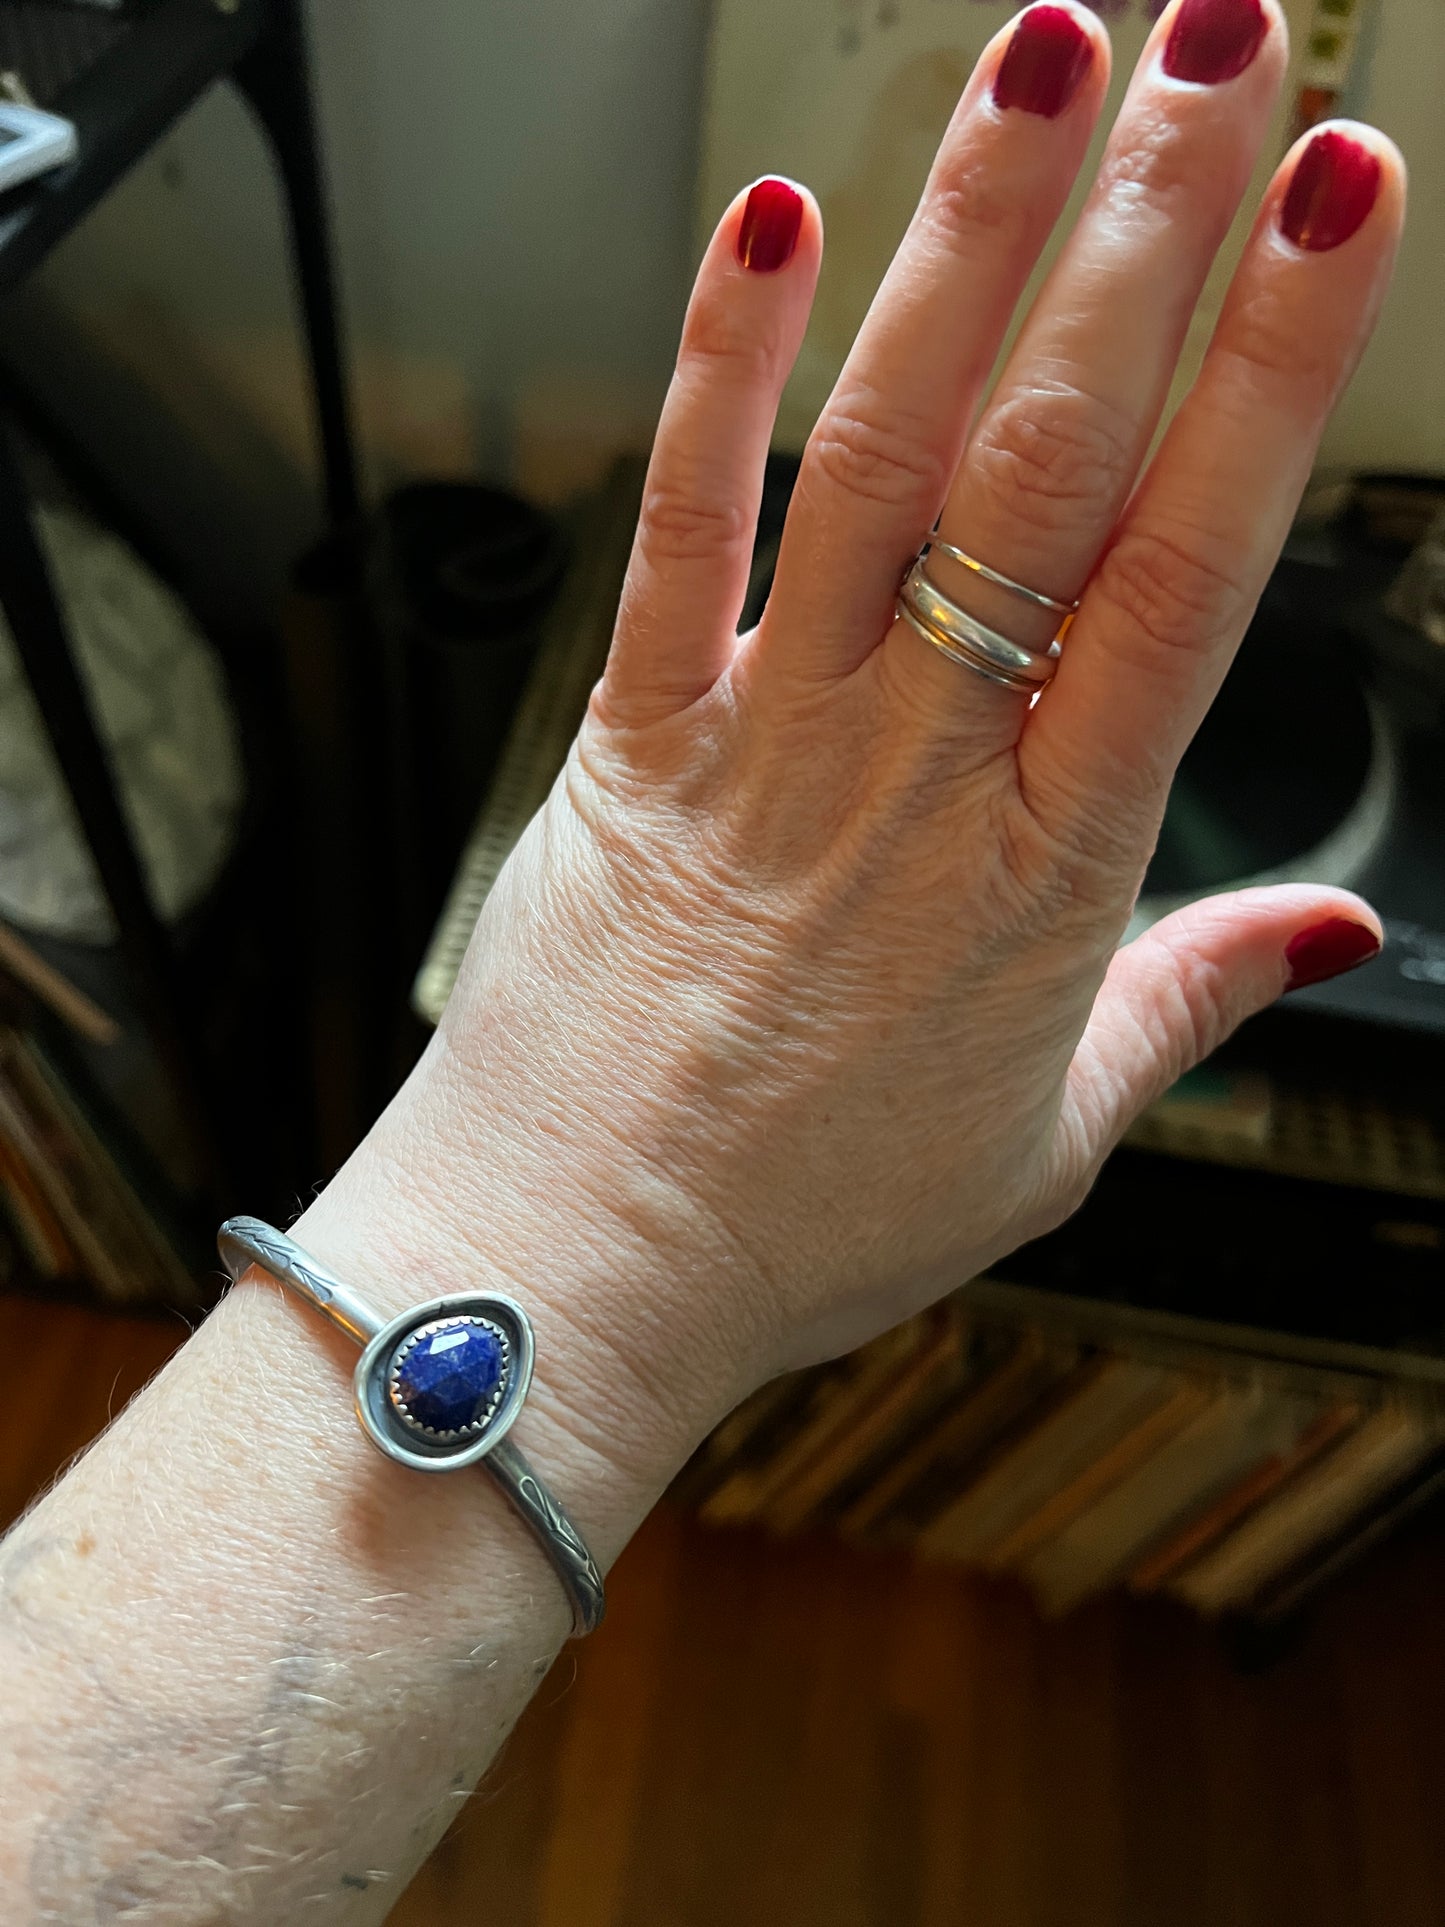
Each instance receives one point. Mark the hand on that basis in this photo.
(800, 1002)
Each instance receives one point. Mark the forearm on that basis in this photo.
(249, 1664)
(797, 1004)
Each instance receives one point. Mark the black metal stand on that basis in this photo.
(274, 77)
(147, 69)
(27, 596)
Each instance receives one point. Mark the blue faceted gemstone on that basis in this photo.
(450, 1377)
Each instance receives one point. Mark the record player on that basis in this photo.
(1322, 760)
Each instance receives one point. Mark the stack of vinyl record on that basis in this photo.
(71, 1213)
(983, 1435)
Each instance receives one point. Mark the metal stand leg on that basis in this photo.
(359, 811)
(274, 76)
(27, 596)
(343, 713)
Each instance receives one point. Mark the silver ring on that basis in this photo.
(1025, 594)
(403, 1415)
(964, 639)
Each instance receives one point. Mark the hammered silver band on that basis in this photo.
(501, 1333)
(999, 580)
(964, 639)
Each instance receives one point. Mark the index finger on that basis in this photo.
(1175, 591)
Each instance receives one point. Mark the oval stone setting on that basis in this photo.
(447, 1378)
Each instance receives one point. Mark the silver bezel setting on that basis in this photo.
(381, 1413)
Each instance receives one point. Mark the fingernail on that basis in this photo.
(768, 232)
(1044, 63)
(1214, 40)
(1336, 182)
(1327, 949)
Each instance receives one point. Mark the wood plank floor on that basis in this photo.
(765, 1735)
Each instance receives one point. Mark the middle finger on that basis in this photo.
(879, 463)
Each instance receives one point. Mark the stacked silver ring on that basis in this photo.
(963, 638)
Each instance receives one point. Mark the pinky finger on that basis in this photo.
(1177, 586)
(677, 626)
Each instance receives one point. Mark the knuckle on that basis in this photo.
(718, 344)
(1036, 886)
(968, 203)
(1054, 461)
(1172, 594)
(1195, 1022)
(688, 524)
(892, 464)
(1104, 830)
(1154, 173)
(1029, 886)
(1266, 343)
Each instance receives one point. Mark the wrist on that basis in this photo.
(626, 1382)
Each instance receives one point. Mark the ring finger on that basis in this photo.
(1059, 445)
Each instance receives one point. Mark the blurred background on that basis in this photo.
(331, 343)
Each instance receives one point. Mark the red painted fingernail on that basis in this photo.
(769, 229)
(1336, 182)
(1327, 949)
(1214, 40)
(1044, 63)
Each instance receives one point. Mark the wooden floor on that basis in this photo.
(800, 1737)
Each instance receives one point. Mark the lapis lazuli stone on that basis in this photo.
(449, 1378)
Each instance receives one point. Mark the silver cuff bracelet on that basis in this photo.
(436, 1389)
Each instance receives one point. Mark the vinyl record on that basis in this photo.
(1291, 777)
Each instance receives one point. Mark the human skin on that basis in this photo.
(800, 1003)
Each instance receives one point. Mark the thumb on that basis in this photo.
(1177, 992)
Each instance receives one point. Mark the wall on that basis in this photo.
(513, 187)
(851, 97)
(1394, 413)
(514, 190)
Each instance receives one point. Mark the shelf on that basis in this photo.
(123, 79)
